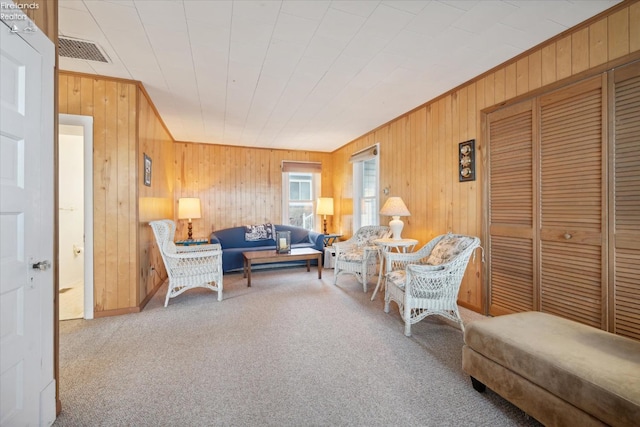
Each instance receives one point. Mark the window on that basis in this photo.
(365, 187)
(300, 189)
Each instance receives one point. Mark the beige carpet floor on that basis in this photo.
(292, 350)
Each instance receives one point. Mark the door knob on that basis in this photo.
(42, 265)
(567, 236)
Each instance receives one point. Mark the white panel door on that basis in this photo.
(26, 227)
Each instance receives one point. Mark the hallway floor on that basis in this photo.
(72, 303)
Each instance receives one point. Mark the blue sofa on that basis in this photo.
(233, 243)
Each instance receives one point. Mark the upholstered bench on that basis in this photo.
(556, 370)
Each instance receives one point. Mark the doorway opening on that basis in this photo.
(75, 216)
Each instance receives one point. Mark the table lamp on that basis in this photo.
(324, 208)
(395, 207)
(189, 208)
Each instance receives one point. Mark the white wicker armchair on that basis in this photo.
(426, 282)
(359, 255)
(188, 267)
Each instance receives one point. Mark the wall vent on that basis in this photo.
(79, 49)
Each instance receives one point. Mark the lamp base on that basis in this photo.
(396, 226)
(325, 224)
(190, 228)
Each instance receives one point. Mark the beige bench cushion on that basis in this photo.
(594, 370)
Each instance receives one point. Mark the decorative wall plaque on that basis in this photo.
(467, 161)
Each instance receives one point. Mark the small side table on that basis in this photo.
(386, 245)
(192, 242)
(330, 239)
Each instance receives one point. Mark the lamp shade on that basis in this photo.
(325, 206)
(394, 206)
(189, 208)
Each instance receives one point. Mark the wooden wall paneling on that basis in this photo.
(634, 28)
(510, 83)
(535, 70)
(499, 82)
(62, 93)
(132, 164)
(598, 43)
(456, 223)
(522, 76)
(580, 51)
(618, 36)
(449, 161)
(238, 185)
(122, 181)
(418, 160)
(211, 188)
(549, 68)
(463, 194)
(472, 118)
(74, 99)
(205, 158)
(99, 194)
(563, 58)
(433, 170)
(109, 296)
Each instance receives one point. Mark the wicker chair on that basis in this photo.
(188, 267)
(359, 255)
(426, 282)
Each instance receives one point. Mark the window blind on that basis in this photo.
(305, 167)
(366, 154)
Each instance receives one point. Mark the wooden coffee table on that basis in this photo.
(270, 257)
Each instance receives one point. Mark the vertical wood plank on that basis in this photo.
(122, 181)
(580, 51)
(598, 43)
(634, 27)
(74, 100)
(62, 94)
(563, 58)
(110, 296)
(132, 280)
(535, 70)
(549, 64)
(489, 90)
(510, 81)
(99, 195)
(618, 36)
(499, 78)
(522, 76)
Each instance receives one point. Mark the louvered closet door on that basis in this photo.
(625, 203)
(571, 203)
(511, 190)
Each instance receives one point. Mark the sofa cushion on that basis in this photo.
(594, 370)
(447, 248)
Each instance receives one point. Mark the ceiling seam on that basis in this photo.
(155, 57)
(226, 87)
(193, 67)
(255, 88)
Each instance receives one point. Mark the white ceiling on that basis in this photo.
(304, 74)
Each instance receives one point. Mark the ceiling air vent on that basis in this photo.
(74, 48)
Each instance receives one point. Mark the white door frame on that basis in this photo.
(87, 124)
